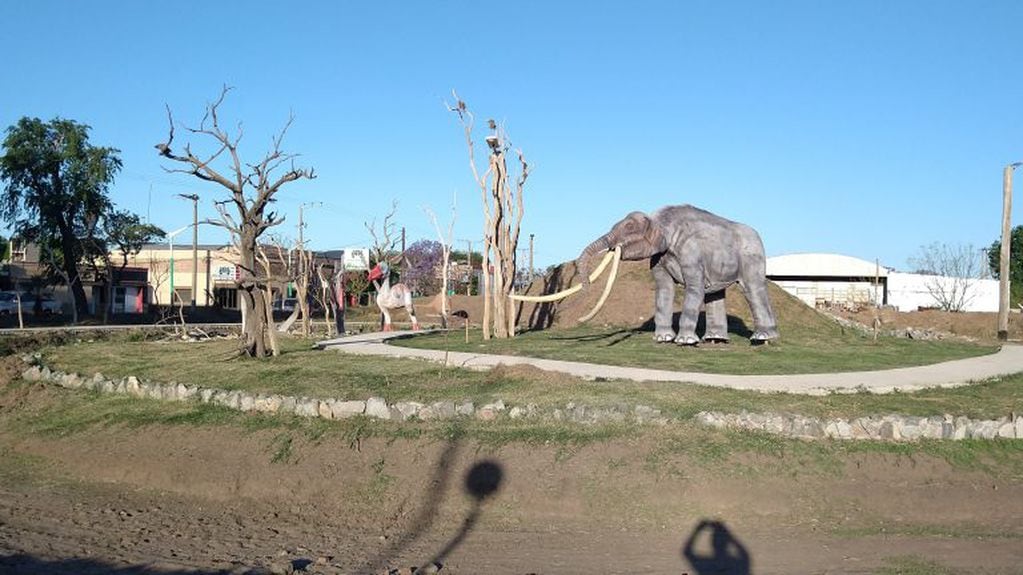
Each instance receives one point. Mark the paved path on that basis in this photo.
(1006, 361)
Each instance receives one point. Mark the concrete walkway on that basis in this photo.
(956, 373)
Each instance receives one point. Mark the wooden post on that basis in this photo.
(1003, 267)
(877, 281)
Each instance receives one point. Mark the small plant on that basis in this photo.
(282, 445)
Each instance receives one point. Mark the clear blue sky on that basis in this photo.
(866, 128)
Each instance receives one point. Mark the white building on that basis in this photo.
(909, 292)
(820, 280)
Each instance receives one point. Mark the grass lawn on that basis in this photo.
(301, 370)
(819, 348)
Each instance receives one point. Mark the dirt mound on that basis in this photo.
(631, 303)
(975, 325)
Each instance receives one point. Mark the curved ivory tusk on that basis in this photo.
(568, 291)
(607, 288)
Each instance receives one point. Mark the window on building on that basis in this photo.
(185, 295)
(226, 298)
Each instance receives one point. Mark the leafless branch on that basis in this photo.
(384, 242)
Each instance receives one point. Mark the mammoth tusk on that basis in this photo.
(607, 288)
(568, 291)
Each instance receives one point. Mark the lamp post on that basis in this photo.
(195, 240)
(170, 239)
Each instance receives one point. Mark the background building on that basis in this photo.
(822, 280)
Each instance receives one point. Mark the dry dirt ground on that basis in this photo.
(223, 500)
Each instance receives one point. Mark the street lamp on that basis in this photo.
(170, 238)
(1003, 267)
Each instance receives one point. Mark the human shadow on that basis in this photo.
(727, 555)
(440, 478)
(481, 482)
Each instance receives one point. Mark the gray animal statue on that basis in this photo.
(696, 249)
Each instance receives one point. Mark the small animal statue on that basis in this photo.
(391, 297)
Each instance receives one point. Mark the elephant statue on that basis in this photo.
(696, 249)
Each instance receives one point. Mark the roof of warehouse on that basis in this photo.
(823, 265)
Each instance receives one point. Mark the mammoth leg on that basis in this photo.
(692, 272)
(717, 319)
(754, 284)
(664, 303)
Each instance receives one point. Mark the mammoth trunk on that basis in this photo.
(601, 244)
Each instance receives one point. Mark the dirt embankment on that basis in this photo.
(630, 304)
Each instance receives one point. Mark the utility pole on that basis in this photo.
(530, 258)
(403, 247)
(301, 242)
(468, 255)
(1003, 268)
(195, 244)
(301, 235)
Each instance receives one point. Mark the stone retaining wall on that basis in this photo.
(332, 408)
(885, 428)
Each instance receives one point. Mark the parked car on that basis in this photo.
(9, 303)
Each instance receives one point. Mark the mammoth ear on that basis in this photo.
(642, 237)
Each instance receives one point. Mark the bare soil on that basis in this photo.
(977, 326)
(183, 499)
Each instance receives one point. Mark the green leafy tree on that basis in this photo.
(54, 187)
(994, 257)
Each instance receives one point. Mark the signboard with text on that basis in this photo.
(356, 259)
(224, 273)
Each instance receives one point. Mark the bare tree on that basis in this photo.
(272, 279)
(502, 213)
(159, 271)
(251, 188)
(385, 239)
(324, 296)
(952, 272)
(446, 243)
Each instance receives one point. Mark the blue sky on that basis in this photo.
(866, 128)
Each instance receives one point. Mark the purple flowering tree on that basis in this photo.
(422, 260)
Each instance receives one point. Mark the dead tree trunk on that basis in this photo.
(446, 243)
(251, 188)
(502, 213)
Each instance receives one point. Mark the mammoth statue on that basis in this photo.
(691, 247)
